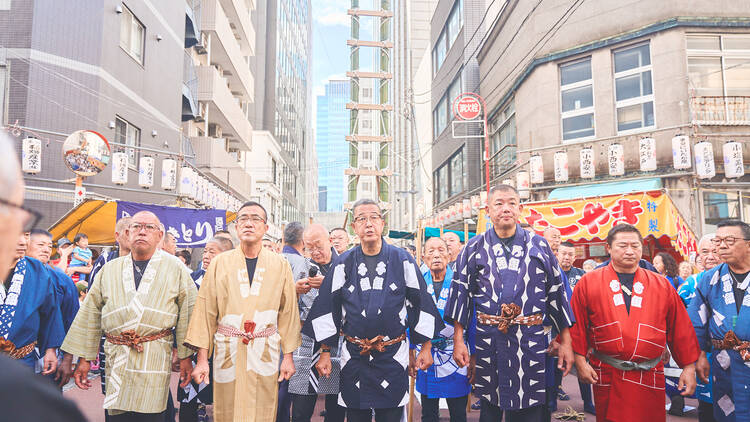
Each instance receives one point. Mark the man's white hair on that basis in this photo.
(10, 171)
(706, 238)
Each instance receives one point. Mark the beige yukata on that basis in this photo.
(245, 376)
(136, 381)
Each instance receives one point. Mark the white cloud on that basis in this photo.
(331, 12)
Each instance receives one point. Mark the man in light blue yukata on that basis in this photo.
(444, 379)
(720, 313)
(510, 279)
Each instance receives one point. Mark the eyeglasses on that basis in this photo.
(365, 218)
(254, 219)
(729, 240)
(150, 228)
(30, 217)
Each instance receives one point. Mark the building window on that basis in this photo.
(718, 206)
(634, 95)
(132, 34)
(447, 36)
(442, 114)
(450, 178)
(503, 146)
(274, 177)
(457, 173)
(577, 99)
(127, 134)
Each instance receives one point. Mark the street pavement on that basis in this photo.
(90, 403)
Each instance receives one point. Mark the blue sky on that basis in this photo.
(330, 32)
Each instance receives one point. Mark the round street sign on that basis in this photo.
(467, 107)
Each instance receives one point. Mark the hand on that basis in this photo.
(324, 365)
(586, 372)
(424, 358)
(472, 369)
(703, 367)
(565, 358)
(186, 368)
(315, 282)
(200, 372)
(302, 286)
(50, 362)
(176, 361)
(287, 367)
(81, 374)
(553, 349)
(687, 382)
(70, 271)
(64, 370)
(460, 353)
(412, 369)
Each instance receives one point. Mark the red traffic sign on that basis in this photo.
(467, 107)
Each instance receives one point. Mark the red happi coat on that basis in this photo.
(657, 318)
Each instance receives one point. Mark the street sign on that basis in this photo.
(467, 107)
(79, 195)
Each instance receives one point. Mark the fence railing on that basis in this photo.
(731, 110)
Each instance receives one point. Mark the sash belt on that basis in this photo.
(10, 349)
(442, 343)
(249, 332)
(628, 365)
(732, 342)
(510, 314)
(131, 339)
(375, 343)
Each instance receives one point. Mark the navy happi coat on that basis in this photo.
(510, 368)
(364, 304)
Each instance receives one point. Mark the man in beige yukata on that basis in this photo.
(138, 301)
(246, 314)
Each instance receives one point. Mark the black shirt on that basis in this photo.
(371, 262)
(251, 263)
(739, 294)
(139, 267)
(9, 278)
(626, 280)
(438, 285)
(507, 243)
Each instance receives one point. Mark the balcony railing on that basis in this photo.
(730, 110)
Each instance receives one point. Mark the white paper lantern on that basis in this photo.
(536, 166)
(647, 154)
(202, 190)
(215, 197)
(466, 208)
(616, 160)
(704, 160)
(522, 184)
(120, 168)
(146, 172)
(588, 166)
(733, 160)
(508, 182)
(186, 188)
(483, 199)
(561, 166)
(31, 156)
(475, 204)
(681, 152)
(168, 174)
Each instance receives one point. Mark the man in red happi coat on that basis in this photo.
(626, 316)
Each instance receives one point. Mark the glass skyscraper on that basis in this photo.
(332, 122)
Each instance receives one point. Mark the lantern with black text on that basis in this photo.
(561, 166)
(536, 166)
(704, 160)
(681, 152)
(647, 154)
(168, 174)
(733, 161)
(31, 156)
(616, 160)
(120, 168)
(588, 167)
(146, 172)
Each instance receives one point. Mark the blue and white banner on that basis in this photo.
(191, 227)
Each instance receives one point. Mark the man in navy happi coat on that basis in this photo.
(512, 279)
(374, 293)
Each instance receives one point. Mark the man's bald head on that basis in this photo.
(145, 233)
(318, 243)
(315, 229)
(553, 237)
(453, 243)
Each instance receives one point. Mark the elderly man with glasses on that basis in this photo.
(246, 313)
(720, 312)
(141, 302)
(374, 293)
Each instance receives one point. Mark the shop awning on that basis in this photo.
(96, 218)
(609, 188)
(435, 232)
(590, 219)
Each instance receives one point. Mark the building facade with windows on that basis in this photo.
(604, 73)
(332, 126)
(125, 69)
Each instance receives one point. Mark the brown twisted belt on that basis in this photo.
(376, 343)
(131, 339)
(509, 315)
(732, 342)
(249, 332)
(10, 349)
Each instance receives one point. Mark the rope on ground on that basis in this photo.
(570, 415)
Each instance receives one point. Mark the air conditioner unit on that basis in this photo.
(201, 116)
(200, 48)
(214, 131)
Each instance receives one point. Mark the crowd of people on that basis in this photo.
(260, 332)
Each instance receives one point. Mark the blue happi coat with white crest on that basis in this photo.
(713, 312)
(510, 367)
(364, 304)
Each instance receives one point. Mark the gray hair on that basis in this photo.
(365, 201)
(293, 233)
(10, 171)
(706, 238)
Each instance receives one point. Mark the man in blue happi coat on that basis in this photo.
(373, 294)
(40, 248)
(512, 279)
(444, 379)
(29, 314)
(720, 313)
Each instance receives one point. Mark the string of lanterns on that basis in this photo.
(705, 168)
